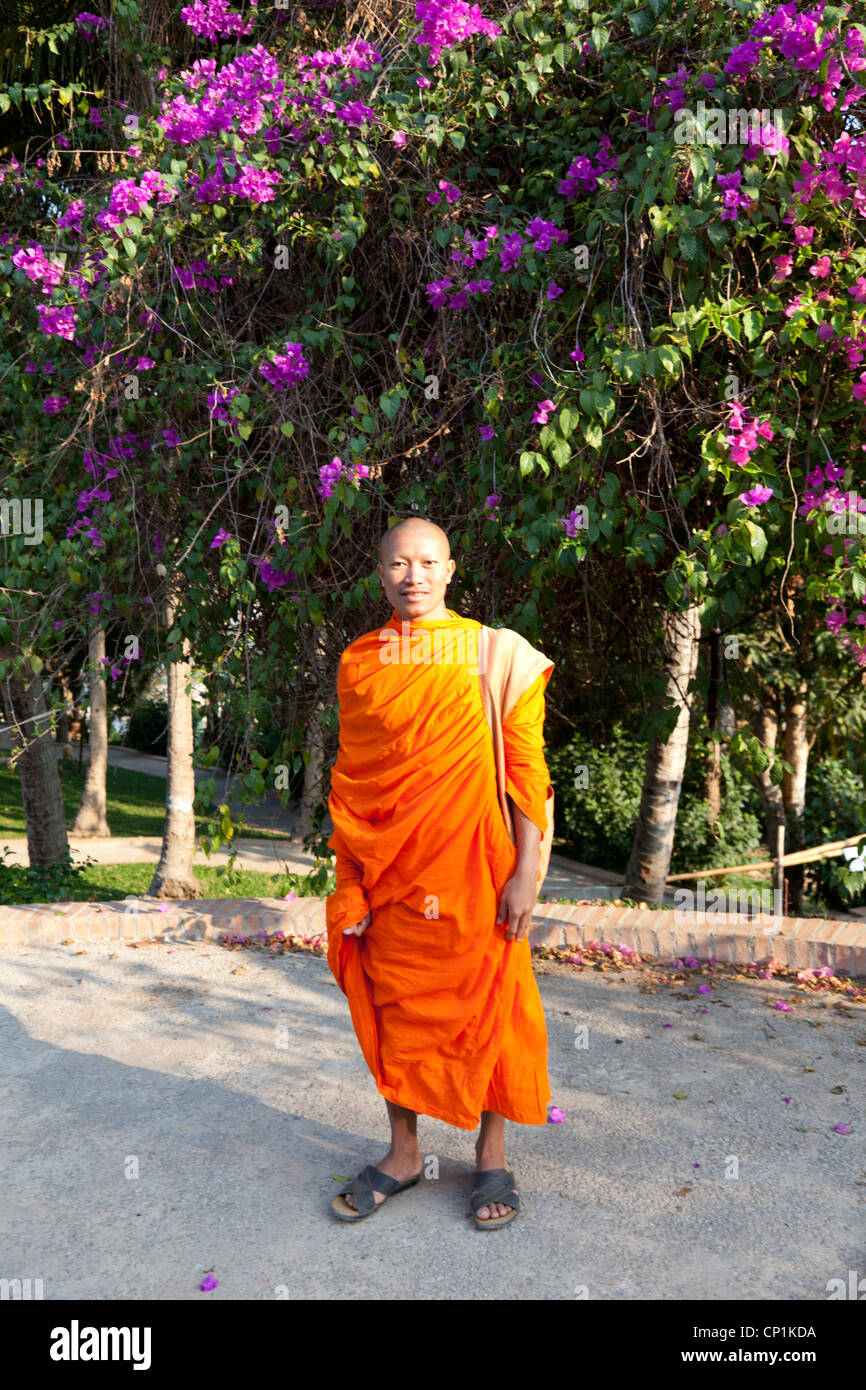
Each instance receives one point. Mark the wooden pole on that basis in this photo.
(800, 856)
(779, 863)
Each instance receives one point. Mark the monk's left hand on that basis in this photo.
(516, 902)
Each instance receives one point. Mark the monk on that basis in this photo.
(428, 924)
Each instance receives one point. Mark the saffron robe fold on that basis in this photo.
(446, 1011)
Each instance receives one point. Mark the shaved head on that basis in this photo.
(416, 528)
(415, 568)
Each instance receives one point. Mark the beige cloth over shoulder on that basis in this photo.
(508, 665)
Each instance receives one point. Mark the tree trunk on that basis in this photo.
(63, 732)
(714, 763)
(794, 784)
(41, 793)
(766, 727)
(314, 773)
(91, 818)
(653, 843)
(174, 876)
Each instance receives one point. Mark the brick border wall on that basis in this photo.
(799, 943)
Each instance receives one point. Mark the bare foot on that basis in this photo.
(399, 1166)
(485, 1160)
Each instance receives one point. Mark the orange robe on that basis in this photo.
(447, 1012)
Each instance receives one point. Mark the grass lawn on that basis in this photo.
(103, 883)
(135, 803)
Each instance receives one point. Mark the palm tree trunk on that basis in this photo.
(653, 843)
(63, 731)
(91, 818)
(714, 762)
(174, 876)
(794, 783)
(41, 794)
(314, 773)
(766, 727)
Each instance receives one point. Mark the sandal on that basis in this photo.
(493, 1185)
(370, 1179)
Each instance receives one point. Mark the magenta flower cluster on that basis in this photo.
(335, 471)
(734, 201)
(287, 369)
(89, 25)
(584, 176)
(744, 431)
(445, 23)
(53, 320)
(38, 268)
(794, 37)
(128, 198)
(214, 19)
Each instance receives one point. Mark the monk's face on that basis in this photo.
(415, 569)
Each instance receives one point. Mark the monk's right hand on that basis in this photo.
(359, 927)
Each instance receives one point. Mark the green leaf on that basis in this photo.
(457, 138)
(753, 322)
(287, 428)
(757, 540)
(389, 405)
(593, 433)
(129, 247)
(560, 452)
(628, 364)
(641, 21)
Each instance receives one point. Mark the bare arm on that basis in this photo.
(520, 893)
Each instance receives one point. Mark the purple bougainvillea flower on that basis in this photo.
(842, 1129)
(542, 411)
(486, 431)
(555, 1116)
(208, 1283)
(219, 539)
(553, 290)
(704, 989)
(783, 1006)
(786, 1099)
(667, 1025)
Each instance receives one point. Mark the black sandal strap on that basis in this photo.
(362, 1192)
(383, 1182)
(497, 1185)
(370, 1179)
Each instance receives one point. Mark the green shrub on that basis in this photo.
(148, 727)
(835, 809)
(20, 883)
(598, 820)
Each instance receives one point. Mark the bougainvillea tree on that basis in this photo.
(585, 285)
